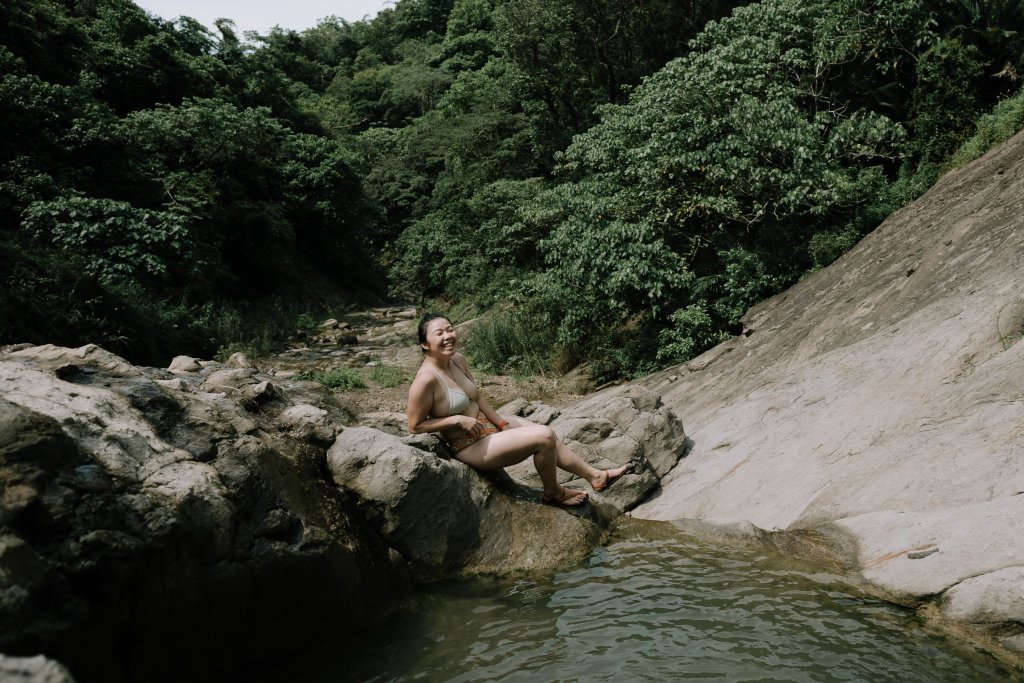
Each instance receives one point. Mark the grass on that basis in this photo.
(389, 376)
(506, 342)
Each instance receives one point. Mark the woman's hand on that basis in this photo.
(470, 425)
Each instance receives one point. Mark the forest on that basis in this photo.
(611, 182)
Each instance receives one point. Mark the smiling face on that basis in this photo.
(440, 338)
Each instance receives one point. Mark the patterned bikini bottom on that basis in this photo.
(459, 443)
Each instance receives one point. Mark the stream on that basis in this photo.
(653, 604)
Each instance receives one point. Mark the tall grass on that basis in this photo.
(511, 342)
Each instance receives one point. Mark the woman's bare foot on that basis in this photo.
(565, 497)
(606, 478)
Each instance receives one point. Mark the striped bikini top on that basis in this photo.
(458, 400)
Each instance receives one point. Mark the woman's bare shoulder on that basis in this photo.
(422, 379)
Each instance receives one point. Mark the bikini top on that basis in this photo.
(458, 400)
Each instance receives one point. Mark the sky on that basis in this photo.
(262, 15)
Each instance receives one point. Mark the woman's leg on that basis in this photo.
(569, 461)
(515, 445)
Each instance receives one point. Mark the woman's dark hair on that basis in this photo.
(424, 321)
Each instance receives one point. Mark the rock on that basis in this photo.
(184, 364)
(309, 423)
(329, 324)
(622, 425)
(518, 407)
(541, 414)
(876, 407)
(396, 424)
(238, 360)
(128, 506)
(448, 520)
(36, 669)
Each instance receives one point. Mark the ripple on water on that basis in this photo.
(654, 606)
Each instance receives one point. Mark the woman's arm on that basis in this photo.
(421, 400)
(481, 401)
(490, 413)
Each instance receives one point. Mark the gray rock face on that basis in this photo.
(144, 513)
(447, 520)
(618, 426)
(880, 399)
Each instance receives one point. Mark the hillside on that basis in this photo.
(879, 402)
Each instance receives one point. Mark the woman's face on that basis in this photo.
(441, 337)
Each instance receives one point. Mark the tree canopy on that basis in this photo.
(624, 178)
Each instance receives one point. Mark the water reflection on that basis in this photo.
(655, 605)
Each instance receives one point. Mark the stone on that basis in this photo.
(994, 598)
(38, 669)
(239, 360)
(184, 364)
(448, 520)
(309, 423)
(129, 504)
(620, 426)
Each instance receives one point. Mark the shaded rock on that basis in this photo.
(309, 423)
(446, 519)
(36, 669)
(396, 424)
(139, 521)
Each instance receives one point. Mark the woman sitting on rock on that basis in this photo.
(445, 398)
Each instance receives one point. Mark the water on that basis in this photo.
(654, 605)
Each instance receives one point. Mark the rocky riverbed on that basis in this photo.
(157, 524)
(160, 524)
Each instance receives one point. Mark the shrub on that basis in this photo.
(511, 341)
(387, 376)
(1006, 119)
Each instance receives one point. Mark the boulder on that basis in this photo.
(449, 520)
(184, 364)
(141, 519)
(625, 425)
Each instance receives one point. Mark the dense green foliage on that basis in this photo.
(620, 180)
(162, 188)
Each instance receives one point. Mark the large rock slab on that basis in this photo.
(879, 398)
(146, 514)
(449, 520)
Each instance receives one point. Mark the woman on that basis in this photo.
(444, 397)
